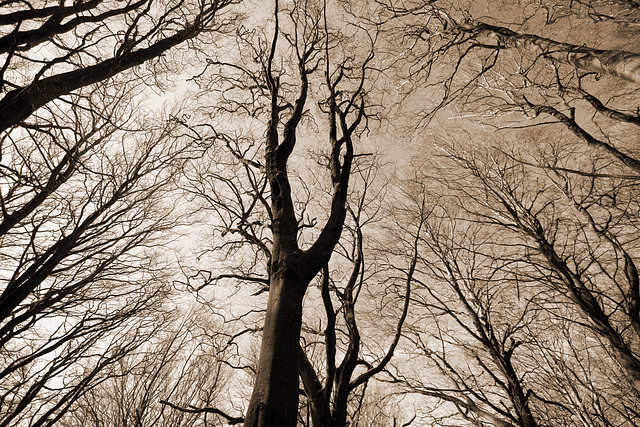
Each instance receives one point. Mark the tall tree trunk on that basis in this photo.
(274, 402)
(275, 397)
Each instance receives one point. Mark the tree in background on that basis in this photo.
(54, 49)
(360, 290)
(161, 382)
(557, 62)
(85, 278)
(466, 319)
(543, 230)
(86, 174)
(527, 275)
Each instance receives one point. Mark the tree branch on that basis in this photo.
(194, 410)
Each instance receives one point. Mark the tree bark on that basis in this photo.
(612, 62)
(274, 402)
(275, 397)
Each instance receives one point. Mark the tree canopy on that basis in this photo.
(319, 213)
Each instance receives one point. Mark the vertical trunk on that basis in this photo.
(274, 402)
(318, 405)
(517, 395)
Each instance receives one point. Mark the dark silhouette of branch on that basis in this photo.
(195, 410)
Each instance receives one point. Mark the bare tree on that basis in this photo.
(543, 280)
(552, 220)
(51, 50)
(360, 283)
(569, 268)
(84, 280)
(466, 323)
(298, 71)
(545, 63)
(84, 174)
(180, 367)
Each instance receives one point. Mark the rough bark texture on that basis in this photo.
(274, 401)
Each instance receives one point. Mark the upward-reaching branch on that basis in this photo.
(345, 117)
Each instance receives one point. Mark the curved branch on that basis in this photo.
(194, 410)
(405, 310)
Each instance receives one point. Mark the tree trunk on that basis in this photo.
(274, 401)
(612, 62)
